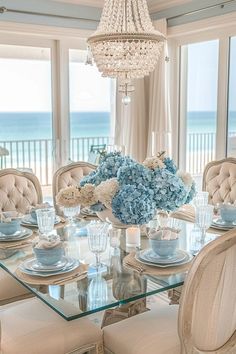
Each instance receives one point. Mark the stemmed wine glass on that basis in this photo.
(97, 239)
(204, 216)
(70, 213)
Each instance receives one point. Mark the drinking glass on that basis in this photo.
(46, 220)
(70, 213)
(204, 216)
(114, 235)
(201, 199)
(97, 240)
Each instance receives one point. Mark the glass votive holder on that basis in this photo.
(45, 220)
(133, 237)
(114, 236)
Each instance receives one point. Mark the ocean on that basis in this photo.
(35, 126)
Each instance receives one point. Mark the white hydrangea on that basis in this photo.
(87, 195)
(186, 178)
(153, 163)
(73, 196)
(106, 190)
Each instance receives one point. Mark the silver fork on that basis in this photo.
(140, 269)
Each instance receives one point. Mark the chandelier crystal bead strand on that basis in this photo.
(125, 45)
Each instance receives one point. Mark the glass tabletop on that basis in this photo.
(113, 286)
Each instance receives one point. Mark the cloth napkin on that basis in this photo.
(186, 212)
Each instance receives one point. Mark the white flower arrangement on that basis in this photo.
(106, 190)
(74, 196)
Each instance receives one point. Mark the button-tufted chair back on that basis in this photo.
(70, 175)
(19, 190)
(219, 179)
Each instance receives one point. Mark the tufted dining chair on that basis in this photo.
(31, 327)
(205, 321)
(70, 175)
(219, 179)
(18, 191)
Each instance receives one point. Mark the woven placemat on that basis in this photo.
(131, 262)
(60, 279)
(11, 245)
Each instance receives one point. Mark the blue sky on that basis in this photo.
(203, 76)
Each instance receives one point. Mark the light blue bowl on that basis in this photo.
(164, 248)
(228, 213)
(9, 228)
(49, 256)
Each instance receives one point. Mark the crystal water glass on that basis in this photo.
(204, 216)
(46, 220)
(71, 212)
(97, 240)
(201, 199)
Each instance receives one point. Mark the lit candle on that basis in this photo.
(133, 237)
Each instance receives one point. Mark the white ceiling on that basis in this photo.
(154, 5)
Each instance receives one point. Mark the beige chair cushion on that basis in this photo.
(219, 180)
(10, 289)
(152, 332)
(31, 327)
(18, 190)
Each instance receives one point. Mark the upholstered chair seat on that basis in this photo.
(18, 191)
(205, 321)
(219, 179)
(70, 175)
(31, 327)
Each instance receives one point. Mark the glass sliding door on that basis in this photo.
(231, 150)
(26, 110)
(91, 97)
(200, 81)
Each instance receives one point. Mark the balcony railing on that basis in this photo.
(37, 155)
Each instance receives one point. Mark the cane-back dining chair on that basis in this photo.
(205, 321)
(18, 191)
(70, 175)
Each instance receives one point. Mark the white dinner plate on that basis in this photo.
(71, 265)
(29, 221)
(187, 259)
(17, 236)
(150, 256)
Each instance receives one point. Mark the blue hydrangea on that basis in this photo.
(191, 193)
(169, 190)
(134, 205)
(134, 174)
(170, 165)
(108, 168)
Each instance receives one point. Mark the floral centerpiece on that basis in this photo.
(133, 191)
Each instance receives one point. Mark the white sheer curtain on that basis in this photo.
(148, 112)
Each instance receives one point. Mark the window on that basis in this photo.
(90, 106)
(26, 109)
(200, 79)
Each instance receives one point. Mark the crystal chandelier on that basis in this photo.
(125, 45)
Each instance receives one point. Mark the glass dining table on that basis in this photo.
(113, 286)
